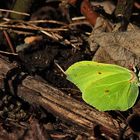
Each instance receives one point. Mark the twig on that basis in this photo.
(32, 28)
(49, 35)
(59, 67)
(9, 41)
(3, 52)
(78, 18)
(47, 21)
(15, 12)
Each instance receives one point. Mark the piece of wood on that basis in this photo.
(83, 118)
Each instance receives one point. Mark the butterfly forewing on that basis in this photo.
(85, 72)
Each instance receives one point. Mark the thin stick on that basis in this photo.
(59, 67)
(9, 53)
(16, 12)
(32, 28)
(78, 18)
(47, 21)
(9, 41)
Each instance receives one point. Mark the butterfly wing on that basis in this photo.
(104, 86)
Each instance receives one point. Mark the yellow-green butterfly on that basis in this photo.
(104, 86)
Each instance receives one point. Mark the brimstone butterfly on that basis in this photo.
(104, 86)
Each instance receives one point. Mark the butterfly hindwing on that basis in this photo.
(114, 96)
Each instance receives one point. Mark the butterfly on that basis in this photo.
(105, 86)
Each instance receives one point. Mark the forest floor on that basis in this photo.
(37, 102)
